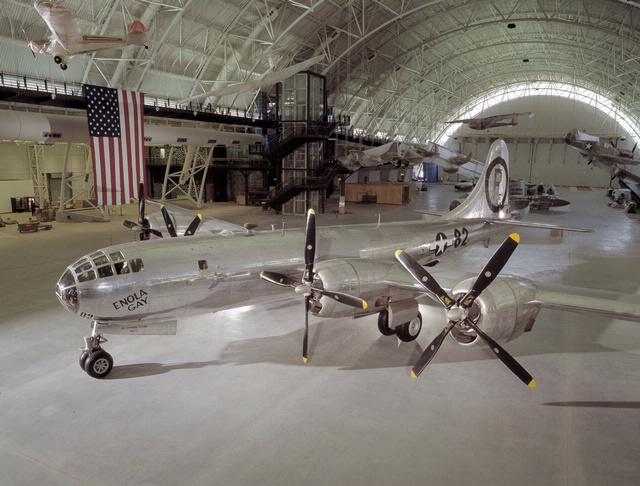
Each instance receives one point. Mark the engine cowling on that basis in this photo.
(503, 310)
(359, 277)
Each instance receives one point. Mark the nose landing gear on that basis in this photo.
(94, 360)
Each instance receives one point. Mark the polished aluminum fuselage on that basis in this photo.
(186, 276)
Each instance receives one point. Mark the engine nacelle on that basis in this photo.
(504, 309)
(359, 277)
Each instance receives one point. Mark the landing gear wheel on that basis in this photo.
(63, 67)
(83, 358)
(383, 324)
(57, 59)
(411, 330)
(98, 364)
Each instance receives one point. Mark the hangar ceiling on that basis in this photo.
(398, 67)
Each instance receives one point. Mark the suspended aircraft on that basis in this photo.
(67, 40)
(608, 157)
(484, 123)
(269, 78)
(145, 287)
(395, 153)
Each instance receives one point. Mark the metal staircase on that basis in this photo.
(291, 187)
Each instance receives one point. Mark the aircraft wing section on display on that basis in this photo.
(268, 79)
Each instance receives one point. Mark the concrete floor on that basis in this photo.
(228, 401)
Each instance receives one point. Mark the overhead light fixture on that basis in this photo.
(525, 60)
(511, 26)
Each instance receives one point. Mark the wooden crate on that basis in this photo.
(385, 192)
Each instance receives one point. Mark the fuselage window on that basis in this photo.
(86, 276)
(202, 264)
(116, 256)
(121, 268)
(106, 271)
(136, 265)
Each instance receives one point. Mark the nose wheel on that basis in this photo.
(94, 360)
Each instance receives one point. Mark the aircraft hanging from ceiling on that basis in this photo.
(269, 78)
(608, 157)
(397, 154)
(67, 40)
(144, 287)
(484, 123)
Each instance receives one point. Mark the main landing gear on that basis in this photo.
(62, 62)
(94, 360)
(406, 332)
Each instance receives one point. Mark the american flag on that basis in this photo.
(116, 131)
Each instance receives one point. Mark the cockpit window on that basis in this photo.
(116, 256)
(82, 260)
(101, 260)
(86, 276)
(136, 265)
(202, 264)
(121, 268)
(66, 280)
(106, 271)
(83, 267)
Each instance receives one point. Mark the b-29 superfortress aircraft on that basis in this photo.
(357, 270)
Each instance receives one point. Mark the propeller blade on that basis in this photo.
(132, 225)
(515, 367)
(424, 278)
(141, 203)
(491, 270)
(194, 225)
(305, 340)
(154, 232)
(430, 351)
(279, 279)
(309, 246)
(168, 222)
(346, 299)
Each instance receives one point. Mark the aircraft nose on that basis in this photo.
(67, 292)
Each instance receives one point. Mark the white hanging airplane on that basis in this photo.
(67, 40)
(144, 287)
(269, 78)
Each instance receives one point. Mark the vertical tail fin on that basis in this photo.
(490, 197)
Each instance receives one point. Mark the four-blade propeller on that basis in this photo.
(306, 286)
(144, 226)
(458, 309)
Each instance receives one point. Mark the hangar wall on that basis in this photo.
(543, 160)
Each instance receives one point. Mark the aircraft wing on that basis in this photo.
(588, 301)
(526, 224)
(255, 84)
(208, 223)
(611, 160)
(277, 76)
(61, 22)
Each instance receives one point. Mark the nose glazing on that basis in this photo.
(67, 292)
